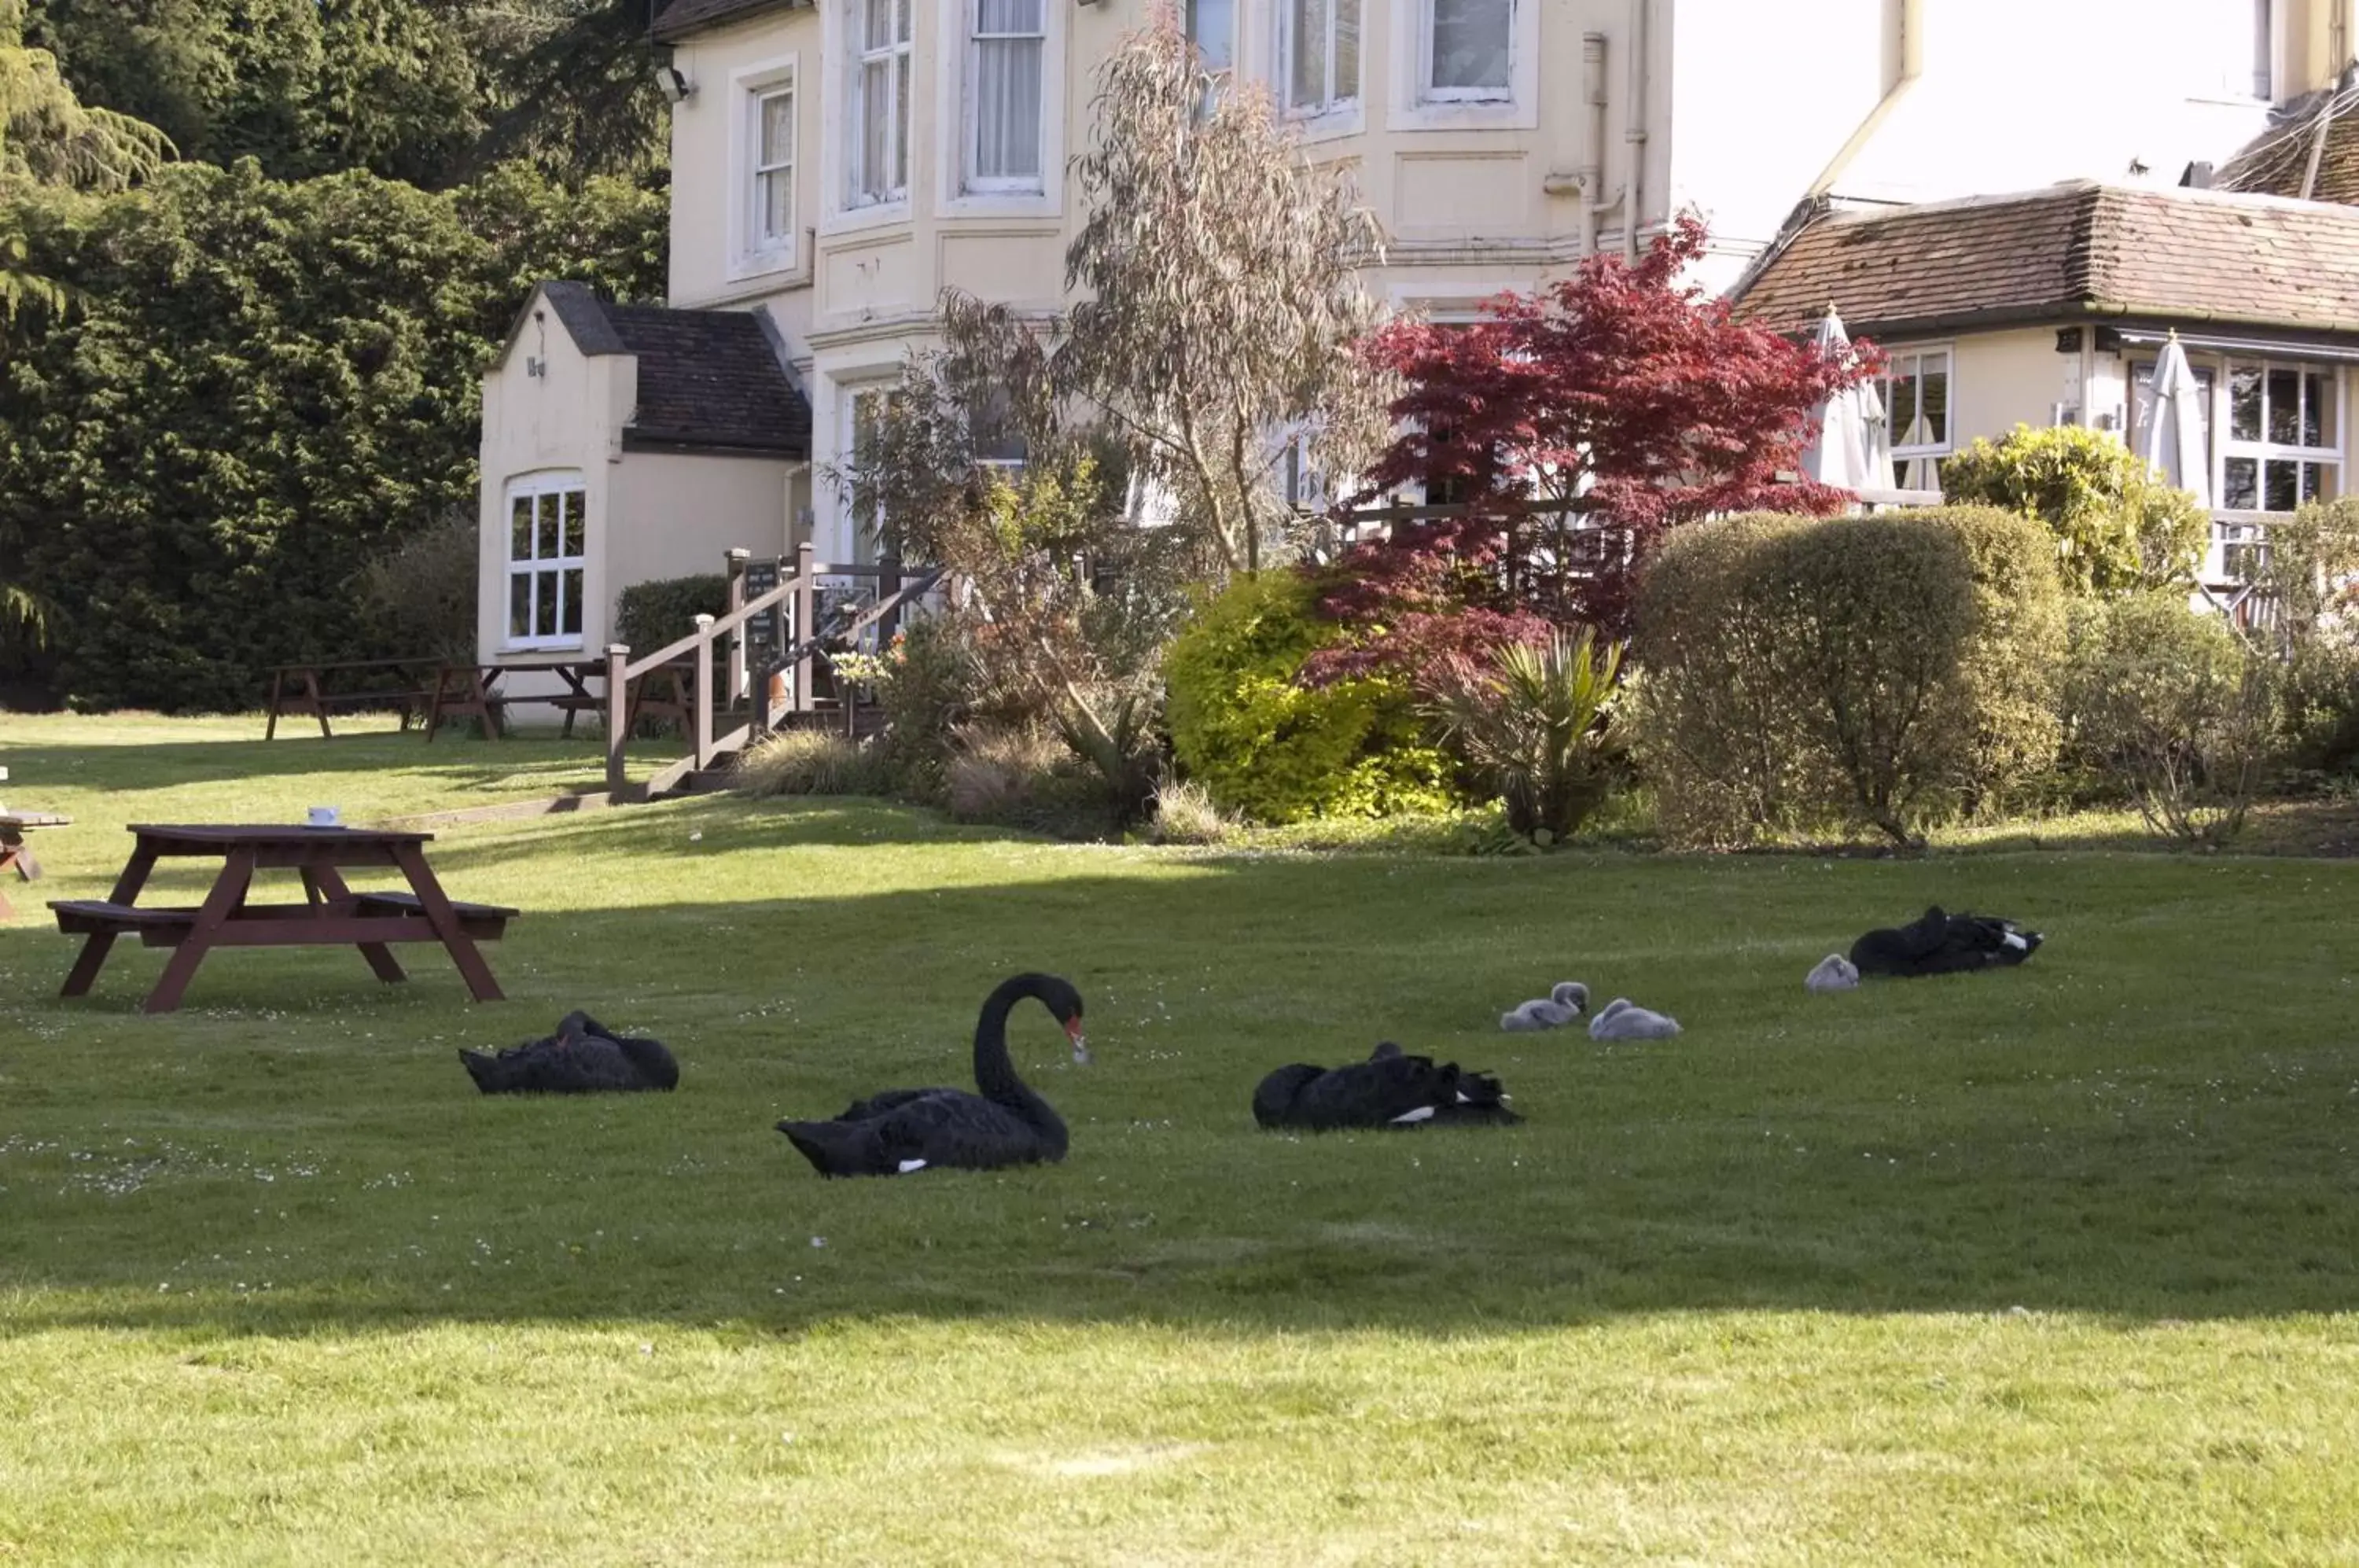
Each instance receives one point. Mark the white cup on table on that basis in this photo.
(324, 817)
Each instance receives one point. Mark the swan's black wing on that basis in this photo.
(876, 1106)
(1480, 1102)
(584, 1064)
(1274, 1099)
(924, 1131)
(1903, 950)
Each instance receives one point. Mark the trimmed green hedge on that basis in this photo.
(1878, 671)
(1267, 746)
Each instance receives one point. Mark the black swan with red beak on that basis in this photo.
(903, 1132)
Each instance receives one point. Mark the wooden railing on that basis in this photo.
(799, 648)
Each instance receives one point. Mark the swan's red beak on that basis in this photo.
(1081, 1042)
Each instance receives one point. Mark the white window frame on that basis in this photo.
(849, 394)
(752, 251)
(970, 111)
(901, 56)
(1415, 107)
(1332, 107)
(2226, 447)
(550, 485)
(956, 195)
(1927, 453)
(1429, 93)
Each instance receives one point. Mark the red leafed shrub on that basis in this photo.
(1618, 388)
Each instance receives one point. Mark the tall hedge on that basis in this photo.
(264, 386)
(1878, 671)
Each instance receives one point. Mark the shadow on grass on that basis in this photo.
(2151, 1121)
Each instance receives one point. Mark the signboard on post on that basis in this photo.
(764, 632)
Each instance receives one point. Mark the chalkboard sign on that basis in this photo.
(764, 632)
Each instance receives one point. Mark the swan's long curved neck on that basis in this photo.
(994, 1075)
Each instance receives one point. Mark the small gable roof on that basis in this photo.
(2071, 252)
(709, 380)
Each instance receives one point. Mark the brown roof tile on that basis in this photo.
(2064, 253)
(713, 380)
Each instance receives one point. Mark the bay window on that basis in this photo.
(1007, 42)
(1468, 47)
(1319, 54)
(880, 96)
(546, 552)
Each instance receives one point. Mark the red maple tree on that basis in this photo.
(1575, 425)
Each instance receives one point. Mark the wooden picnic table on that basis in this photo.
(471, 691)
(14, 854)
(297, 690)
(331, 914)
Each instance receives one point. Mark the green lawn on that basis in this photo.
(2056, 1265)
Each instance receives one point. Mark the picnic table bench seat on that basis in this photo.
(486, 922)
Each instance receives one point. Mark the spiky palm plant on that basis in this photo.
(1536, 721)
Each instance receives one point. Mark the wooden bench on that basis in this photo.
(14, 854)
(297, 690)
(165, 925)
(485, 923)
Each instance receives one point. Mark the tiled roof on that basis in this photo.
(713, 380)
(684, 17)
(2066, 253)
(2278, 161)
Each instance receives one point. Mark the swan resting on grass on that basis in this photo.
(583, 1057)
(1565, 1002)
(1618, 1019)
(903, 1132)
(1390, 1089)
(1940, 944)
(1834, 973)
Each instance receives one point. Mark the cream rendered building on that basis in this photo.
(835, 166)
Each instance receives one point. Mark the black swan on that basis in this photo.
(583, 1057)
(1390, 1089)
(1623, 1020)
(905, 1130)
(1940, 943)
(1566, 1001)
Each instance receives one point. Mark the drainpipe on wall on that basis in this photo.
(1593, 201)
(1912, 66)
(1634, 112)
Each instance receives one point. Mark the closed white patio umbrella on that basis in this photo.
(1854, 449)
(2174, 431)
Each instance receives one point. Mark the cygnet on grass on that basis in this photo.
(1565, 1002)
(1621, 1020)
(1834, 973)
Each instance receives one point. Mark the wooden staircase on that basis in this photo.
(814, 698)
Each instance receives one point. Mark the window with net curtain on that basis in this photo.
(1321, 46)
(880, 160)
(1468, 47)
(1006, 41)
